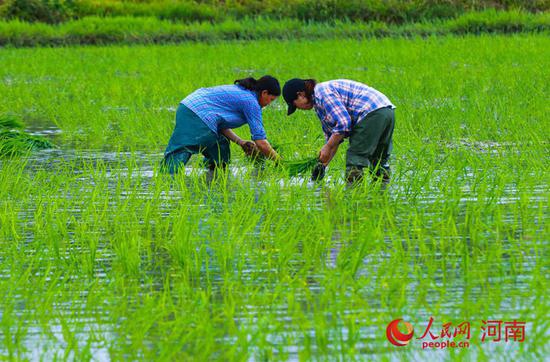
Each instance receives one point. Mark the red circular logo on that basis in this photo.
(395, 336)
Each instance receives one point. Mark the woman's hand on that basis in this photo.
(249, 147)
(265, 148)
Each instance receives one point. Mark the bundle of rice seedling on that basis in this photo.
(258, 159)
(8, 121)
(294, 167)
(298, 167)
(14, 141)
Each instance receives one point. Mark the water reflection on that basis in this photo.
(354, 264)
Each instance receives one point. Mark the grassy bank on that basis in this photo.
(388, 11)
(129, 30)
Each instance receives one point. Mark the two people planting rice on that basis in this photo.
(348, 109)
(206, 117)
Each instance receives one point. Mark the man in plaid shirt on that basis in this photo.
(348, 109)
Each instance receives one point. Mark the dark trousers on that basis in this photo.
(215, 155)
(370, 144)
(191, 136)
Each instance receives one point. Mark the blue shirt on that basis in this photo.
(227, 106)
(340, 104)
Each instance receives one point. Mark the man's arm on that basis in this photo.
(329, 149)
(337, 114)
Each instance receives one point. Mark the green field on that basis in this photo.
(102, 257)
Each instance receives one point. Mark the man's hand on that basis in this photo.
(318, 172)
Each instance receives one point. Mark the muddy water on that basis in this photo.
(50, 341)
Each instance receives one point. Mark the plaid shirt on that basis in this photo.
(340, 104)
(227, 106)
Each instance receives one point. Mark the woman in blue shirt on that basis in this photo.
(206, 117)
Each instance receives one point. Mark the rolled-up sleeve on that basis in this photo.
(253, 115)
(326, 130)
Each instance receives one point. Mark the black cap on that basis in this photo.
(290, 90)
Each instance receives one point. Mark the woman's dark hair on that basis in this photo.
(267, 82)
(310, 86)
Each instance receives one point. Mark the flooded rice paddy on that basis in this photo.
(110, 251)
(104, 258)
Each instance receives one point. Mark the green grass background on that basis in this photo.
(150, 30)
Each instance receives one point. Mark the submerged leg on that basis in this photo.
(354, 174)
(382, 153)
(217, 154)
(175, 161)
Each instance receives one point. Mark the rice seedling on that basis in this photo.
(9, 122)
(294, 167)
(14, 141)
(104, 257)
(299, 167)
